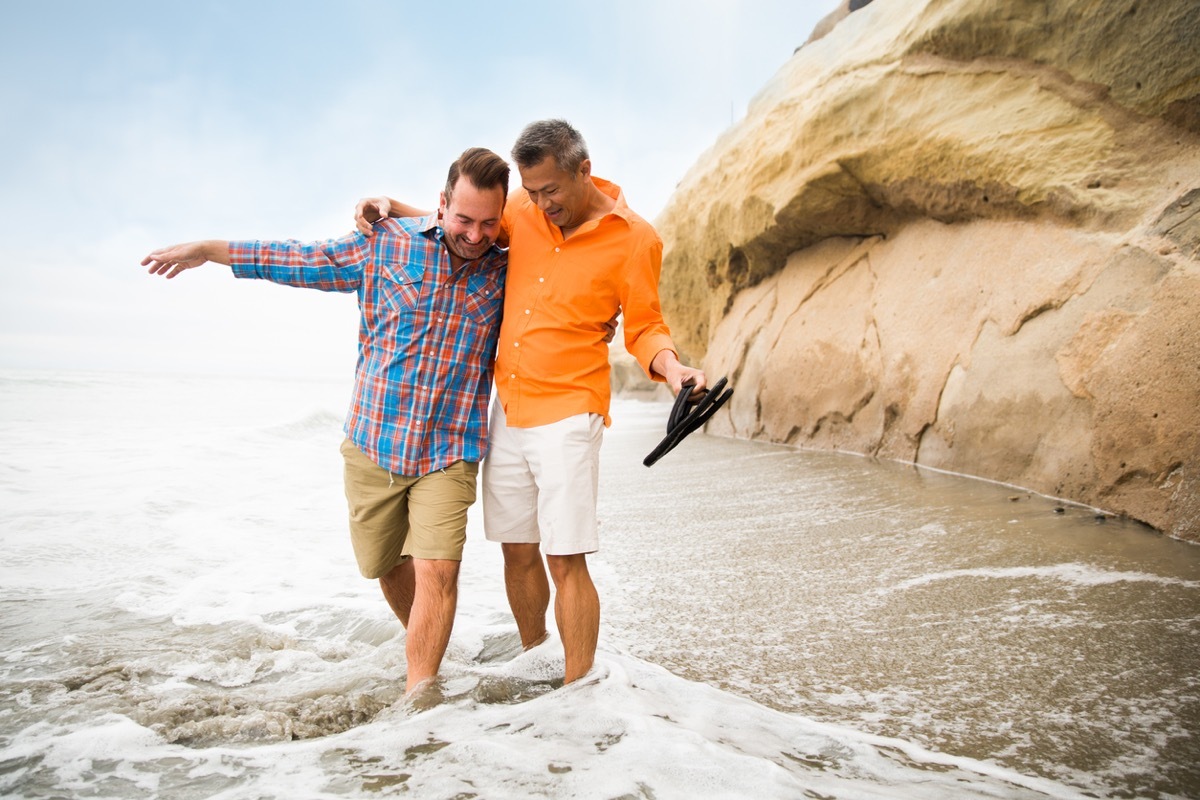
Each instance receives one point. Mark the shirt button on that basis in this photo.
(527, 311)
(516, 344)
(513, 376)
(541, 280)
(556, 249)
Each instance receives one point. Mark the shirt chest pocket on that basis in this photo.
(400, 289)
(484, 298)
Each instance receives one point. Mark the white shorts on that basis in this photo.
(540, 484)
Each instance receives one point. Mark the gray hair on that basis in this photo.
(550, 137)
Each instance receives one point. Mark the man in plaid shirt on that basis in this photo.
(578, 255)
(430, 292)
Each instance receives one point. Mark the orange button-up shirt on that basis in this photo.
(552, 360)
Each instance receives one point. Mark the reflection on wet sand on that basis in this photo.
(971, 617)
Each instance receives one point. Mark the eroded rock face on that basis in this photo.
(964, 233)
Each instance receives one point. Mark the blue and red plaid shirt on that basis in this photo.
(426, 342)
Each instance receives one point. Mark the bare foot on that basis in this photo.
(540, 640)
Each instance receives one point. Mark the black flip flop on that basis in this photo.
(688, 415)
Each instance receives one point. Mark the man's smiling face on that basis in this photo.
(562, 196)
(471, 219)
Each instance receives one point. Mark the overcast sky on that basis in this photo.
(131, 125)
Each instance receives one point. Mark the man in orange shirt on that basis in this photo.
(578, 256)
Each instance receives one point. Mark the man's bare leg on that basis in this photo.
(528, 590)
(434, 603)
(577, 612)
(398, 587)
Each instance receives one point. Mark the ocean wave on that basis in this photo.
(322, 422)
(1070, 573)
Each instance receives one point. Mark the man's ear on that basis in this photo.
(441, 204)
(585, 168)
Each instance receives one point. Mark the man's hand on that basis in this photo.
(170, 261)
(666, 363)
(611, 328)
(700, 382)
(369, 211)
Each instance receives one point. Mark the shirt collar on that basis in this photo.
(430, 223)
(621, 209)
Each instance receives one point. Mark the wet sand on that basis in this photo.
(974, 618)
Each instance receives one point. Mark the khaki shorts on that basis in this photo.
(393, 517)
(540, 484)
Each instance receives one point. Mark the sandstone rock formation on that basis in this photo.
(964, 233)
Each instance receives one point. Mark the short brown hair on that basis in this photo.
(483, 168)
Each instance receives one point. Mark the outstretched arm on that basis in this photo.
(372, 209)
(170, 261)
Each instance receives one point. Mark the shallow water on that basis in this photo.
(969, 617)
(181, 617)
